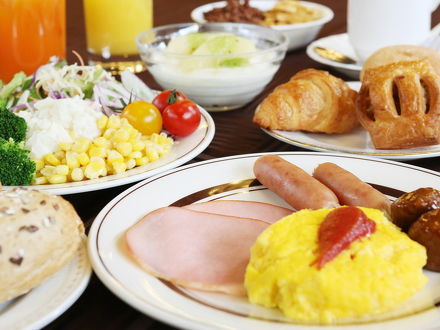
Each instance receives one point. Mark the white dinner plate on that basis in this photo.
(50, 299)
(357, 142)
(183, 150)
(233, 178)
(340, 43)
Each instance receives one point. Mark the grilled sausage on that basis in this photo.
(293, 184)
(349, 189)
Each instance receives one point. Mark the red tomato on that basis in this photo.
(181, 118)
(167, 97)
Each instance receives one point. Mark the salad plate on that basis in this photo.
(234, 180)
(58, 80)
(50, 299)
(356, 142)
(183, 150)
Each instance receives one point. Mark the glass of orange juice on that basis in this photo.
(31, 31)
(111, 29)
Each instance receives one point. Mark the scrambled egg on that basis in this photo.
(373, 276)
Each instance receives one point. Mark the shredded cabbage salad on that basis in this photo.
(59, 80)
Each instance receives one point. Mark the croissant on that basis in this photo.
(313, 100)
(399, 105)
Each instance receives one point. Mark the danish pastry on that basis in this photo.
(399, 105)
(313, 101)
(399, 53)
(39, 234)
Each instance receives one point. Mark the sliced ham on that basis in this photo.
(246, 209)
(197, 250)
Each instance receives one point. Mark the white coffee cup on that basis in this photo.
(373, 24)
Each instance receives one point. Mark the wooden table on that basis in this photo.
(235, 134)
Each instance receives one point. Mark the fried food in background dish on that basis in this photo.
(383, 270)
(235, 11)
(290, 12)
(39, 234)
(284, 12)
(313, 100)
(399, 53)
(399, 105)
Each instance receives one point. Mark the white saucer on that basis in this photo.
(340, 43)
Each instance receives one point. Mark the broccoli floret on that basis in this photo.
(12, 126)
(16, 168)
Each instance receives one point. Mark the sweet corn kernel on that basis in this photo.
(51, 159)
(125, 122)
(40, 180)
(154, 138)
(62, 169)
(152, 155)
(119, 166)
(60, 154)
(137, 145)
(72, 159)
(142, 161)
(124, 148)
(80, 145)
(134, 133)
(101, 142)
(94, 169)
(57, 178)
(121, 135)
(65, 146)
(77, 174)
(135, 154)
(97, 159)
(83, 159)
(114, 155)
(104, 171)
(108, 134)
(48, 170)
(97, 151)
(102, 122)
(130, 163)
(114, 122)
(39, 163)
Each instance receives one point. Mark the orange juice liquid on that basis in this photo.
(31, 31)
(112, 26)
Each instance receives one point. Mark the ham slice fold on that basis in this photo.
(246, 209)
(198, 250)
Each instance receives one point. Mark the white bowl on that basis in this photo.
(299, 34)
(214, 88)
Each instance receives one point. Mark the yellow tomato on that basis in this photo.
(143, 116)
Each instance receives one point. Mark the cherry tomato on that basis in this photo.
(143, 116)
(167, 97)
(181, 118)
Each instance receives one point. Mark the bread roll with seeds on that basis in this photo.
(39, 234)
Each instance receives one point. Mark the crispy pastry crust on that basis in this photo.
(313, 101)
(399, 105)
(400, 53)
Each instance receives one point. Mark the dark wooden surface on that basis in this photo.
(98, 308)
